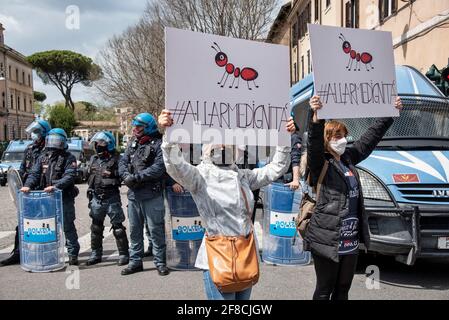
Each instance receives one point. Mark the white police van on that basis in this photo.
(12, 157)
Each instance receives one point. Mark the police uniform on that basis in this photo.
(58, 169)
(32, 153)
(104, 195)
(143, 160)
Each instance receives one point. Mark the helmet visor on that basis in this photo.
(34, 127)
(100, 138)
(137, 122)
(55, 141)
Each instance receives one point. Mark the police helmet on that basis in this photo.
(147, 121)
(56, 139)
(104, 138)
(39, 126)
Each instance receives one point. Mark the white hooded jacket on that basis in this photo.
(217, 191)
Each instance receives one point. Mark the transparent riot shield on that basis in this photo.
(282, 244)
(14, 185)
(41, 233)
(184, 231)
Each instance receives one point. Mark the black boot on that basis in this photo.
(96, 242)
(122, 244)
(73, 261)
(162, 270)
(93, 260)
(14, 257)
(131, 269)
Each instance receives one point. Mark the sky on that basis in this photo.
(40, 25)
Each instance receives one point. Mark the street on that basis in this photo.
(425, 280)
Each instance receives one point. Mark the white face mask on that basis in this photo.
(338, 146)
(222, 156)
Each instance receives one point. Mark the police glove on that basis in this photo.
(130, 181)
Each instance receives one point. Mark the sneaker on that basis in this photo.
(14, 258)
(131, 270)
(162, 270)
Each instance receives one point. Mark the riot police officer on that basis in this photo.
(38, 130)
(142, 169)
(56, 169)
(104, 197)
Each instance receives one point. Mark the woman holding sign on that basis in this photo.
(222, 192)
(338, 223)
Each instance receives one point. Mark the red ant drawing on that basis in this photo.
(247, 74)
(365, 57)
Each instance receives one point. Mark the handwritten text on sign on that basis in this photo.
(225, 90)
(354, 72)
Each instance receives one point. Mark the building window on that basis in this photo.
(387, 8)
(308, 61)
(24, 104)
(23, 77)
(17, 75)
(12, 102)
(304, 19)
(5, 131)
(29, 80)
(295, 34)
(317, 9)
(18, 103)
(352, 14)
(302, 67)
(295, 73)
(9, 73)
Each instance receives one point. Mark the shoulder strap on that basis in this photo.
(321, 178)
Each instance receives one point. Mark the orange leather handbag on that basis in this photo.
(233, 262)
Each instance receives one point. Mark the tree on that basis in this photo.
(133, 63)
(60, 116)
(39, 96)
(64, 69)
(245, 19)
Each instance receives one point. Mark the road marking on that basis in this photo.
(4, 234)
(84, 241)
(113, 256)
(7, 250)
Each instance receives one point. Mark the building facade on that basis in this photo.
(419, 29)
(16, 90)
(86, 129)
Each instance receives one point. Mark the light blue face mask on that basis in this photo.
(35, 136)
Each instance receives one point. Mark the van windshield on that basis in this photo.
(422, 118)
(13, 156)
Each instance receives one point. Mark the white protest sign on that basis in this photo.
(226, 91)
(354, 72)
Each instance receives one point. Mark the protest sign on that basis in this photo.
(354, 72)
(226, 91)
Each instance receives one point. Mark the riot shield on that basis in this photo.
(14, 184)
